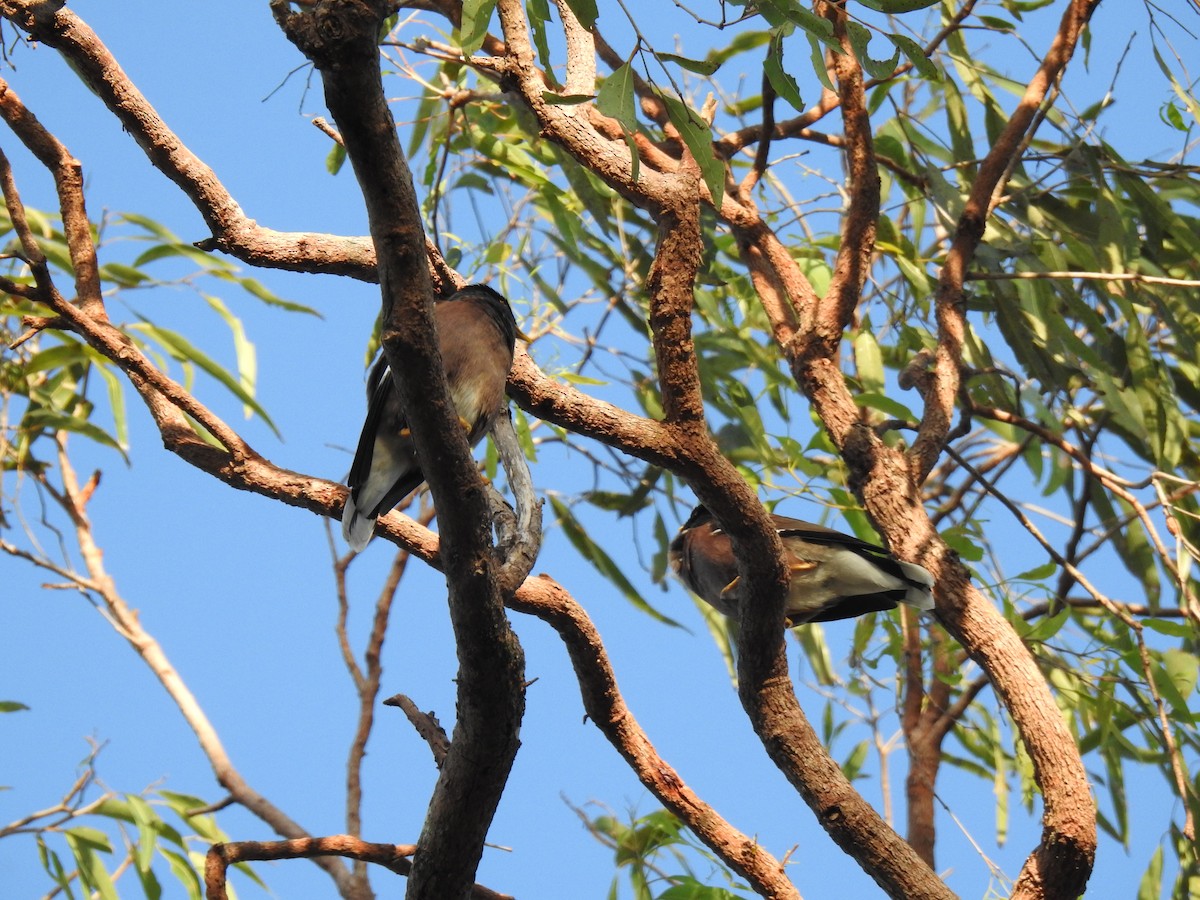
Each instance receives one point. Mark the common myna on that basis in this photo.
(477, 334)
(833, 575)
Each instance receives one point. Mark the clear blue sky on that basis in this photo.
(239, 590)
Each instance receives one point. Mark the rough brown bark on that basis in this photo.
(341, 38)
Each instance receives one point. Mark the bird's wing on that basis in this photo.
(380, 389)
(819, 534)
(850, 608)
(477, 363)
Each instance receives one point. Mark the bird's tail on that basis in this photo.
(920, 586)
(357, 528)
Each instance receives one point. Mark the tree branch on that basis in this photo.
(547, 600)
(126, 622)
(341, 38)
(950, 301)
(233, 231)
(391, 856)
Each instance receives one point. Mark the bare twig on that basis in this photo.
(395, 857)
(426, 725)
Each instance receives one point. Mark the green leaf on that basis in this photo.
(56, 356)
(812, 642)
(54, 420)
(539, 15)
(868, 360)
(1182, 669)
(90, 837)
(1038, 573)
(604, 564)
(1172, 629)
(183, 349)
(1048, 627)
(476, 16)
(84, 842)
(194, 254)
(585, 11)
(244, 352)
(817, 60)
(259, 291)
(698, 137)
(565, 99)
(7, 706)
(150, 885)
(147, 824)
(707, 66)
(615, 97)
(157, 229)
(817, 27)
(895, 7)
(741, 43)
(886, 405)
(860, 37)
(784, 84)
(335, 158)
(116, 404)
(853, 764)
(184, 873)
(123, 275)
(54, 868)
(1150, 887)
(916, 55)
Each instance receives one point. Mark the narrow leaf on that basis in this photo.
(782, 81)
(183, 349)
(916, 55)
(699, 66)
(698, 137)
(476, 16)
(860, 37)
(604, 564)
(585, 11)
(565, 99)
(615, 97)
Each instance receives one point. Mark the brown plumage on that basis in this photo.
(477, 335)
(833, 575)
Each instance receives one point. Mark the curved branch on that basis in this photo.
(950, 301)
(560, 403)
(857, 244)
(765, 687)
(68, 182)
(127, 624)
(547, 600)
(232, 230)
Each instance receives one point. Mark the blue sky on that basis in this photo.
(239, 590)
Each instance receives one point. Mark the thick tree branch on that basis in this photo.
(608, 157)
(766, 689)
(341, 38)
(68, 181)
(887, 487)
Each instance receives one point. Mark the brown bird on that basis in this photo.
(833, 575)
(477, 334)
